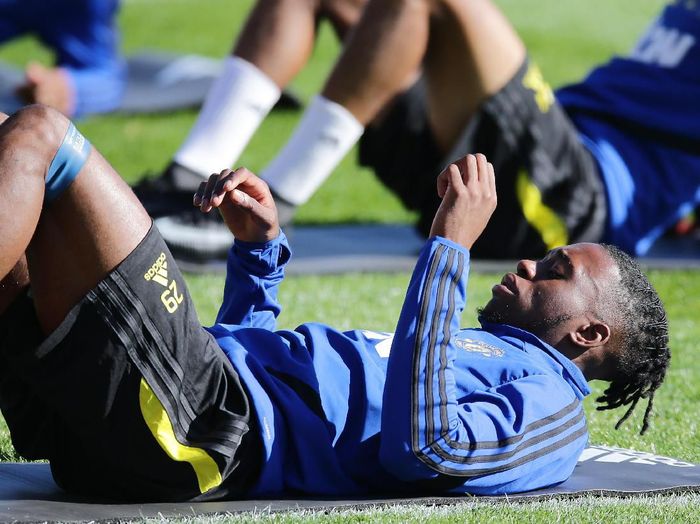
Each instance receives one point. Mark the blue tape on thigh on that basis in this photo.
(69, 159)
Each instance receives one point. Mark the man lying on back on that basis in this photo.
(108, 374)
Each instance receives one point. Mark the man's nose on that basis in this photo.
(526, 269)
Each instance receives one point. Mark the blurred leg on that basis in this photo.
(381, 56)
(278, 37)
(468, 50)
(343, 15)
(275, 43)
(472, 53)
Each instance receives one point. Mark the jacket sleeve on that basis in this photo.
(498, 439)
(253, 274)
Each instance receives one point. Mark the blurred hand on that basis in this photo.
(47, 85)
(468, 191)
(244, 201)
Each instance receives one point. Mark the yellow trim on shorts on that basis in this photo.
(533, 79)
(545, 221)
(158, 422)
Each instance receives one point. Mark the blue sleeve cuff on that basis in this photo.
(449, 243)
(262, 258)
(96, 89)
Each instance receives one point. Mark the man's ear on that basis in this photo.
(591, 335)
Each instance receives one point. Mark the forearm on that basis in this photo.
(419, 397)
(254, 272)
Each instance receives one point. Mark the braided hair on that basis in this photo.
(644, 353)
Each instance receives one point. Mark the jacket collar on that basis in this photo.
(572, 373)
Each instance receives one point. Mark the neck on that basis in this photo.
(590, 360)
(592, 364)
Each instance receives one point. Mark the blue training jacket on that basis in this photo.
(487, 411)
(640, 117)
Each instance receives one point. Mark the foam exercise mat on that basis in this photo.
(394, 247)
(156, 82)
(28, 493)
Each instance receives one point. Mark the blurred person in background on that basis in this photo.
(89, 75)
(615, 157)
(274, 45)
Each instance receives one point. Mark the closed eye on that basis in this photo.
(556, 265)
(558, 271)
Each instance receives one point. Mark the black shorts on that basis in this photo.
(549, 189)
(129, 362)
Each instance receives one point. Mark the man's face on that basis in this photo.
(551, 296)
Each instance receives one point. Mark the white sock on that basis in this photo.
(324, 135)
(236, 104)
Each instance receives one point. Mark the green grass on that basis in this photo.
(565, 38)
(587, 510)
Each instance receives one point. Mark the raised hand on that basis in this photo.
(468, 191)
(245, 202)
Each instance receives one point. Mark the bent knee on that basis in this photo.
(432, 6)
(315, 5)
(30, 138)
(342, 7)
(41, 126)
(345, 14)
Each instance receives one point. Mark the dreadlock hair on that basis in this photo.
(644, 353)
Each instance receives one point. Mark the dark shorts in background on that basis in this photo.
(549, 189)
(130, 361)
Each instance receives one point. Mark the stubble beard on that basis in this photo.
(539, 327)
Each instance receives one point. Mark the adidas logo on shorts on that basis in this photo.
(158, 272)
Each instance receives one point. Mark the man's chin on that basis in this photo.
(491, 314)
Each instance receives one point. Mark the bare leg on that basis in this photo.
(74, 242)
(17, 279)
(343, 15)
(22, 171)
(279, 35)
(275, 43)
(472, 53)
(381, 56)
(467, 48)
(13, 284)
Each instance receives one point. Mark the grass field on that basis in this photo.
(565, 38)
